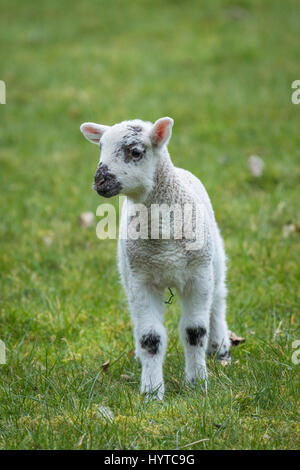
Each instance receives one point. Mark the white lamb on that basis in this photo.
(135, 161)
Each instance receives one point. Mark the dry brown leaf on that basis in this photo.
(131, 353)
(237, 13)
(223, 160)
(289, 228)
(235, 340)
(48, 241)
(256, 165)
(86, 219)
(224, 362)
(105, 365)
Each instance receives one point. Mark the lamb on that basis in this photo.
(135, 161)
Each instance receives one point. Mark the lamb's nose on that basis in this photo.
(100, 181)
(100, 175)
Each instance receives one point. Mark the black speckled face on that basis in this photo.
(134, 129)
(132, 147)
(127, 160)
(134, 152)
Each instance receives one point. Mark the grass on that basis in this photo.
(223, 70)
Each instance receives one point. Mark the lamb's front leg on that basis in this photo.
(196, 301)
(146, 305)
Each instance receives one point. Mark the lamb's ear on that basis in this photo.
(162, 131)
(92, 131)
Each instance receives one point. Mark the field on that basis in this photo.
(223, 70)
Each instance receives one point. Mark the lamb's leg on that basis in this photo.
(196, 301)
(219, 342)
(146, 305)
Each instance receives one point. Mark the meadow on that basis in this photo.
(223, 71)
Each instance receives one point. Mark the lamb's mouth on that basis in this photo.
(108, 188)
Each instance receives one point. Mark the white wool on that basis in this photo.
(147, 266)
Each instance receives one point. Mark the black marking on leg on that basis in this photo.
(194, 335)
(224, 356)
(151, 343)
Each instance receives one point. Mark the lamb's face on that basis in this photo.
(128, 155)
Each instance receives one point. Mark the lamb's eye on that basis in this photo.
(135, 154)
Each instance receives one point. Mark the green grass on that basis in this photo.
(223, 70)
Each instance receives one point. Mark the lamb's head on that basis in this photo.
(129, 155)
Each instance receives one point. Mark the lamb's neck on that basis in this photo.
(164, 178)
(159, 189)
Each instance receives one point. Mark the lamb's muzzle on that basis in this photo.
(106, 183)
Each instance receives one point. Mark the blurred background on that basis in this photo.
(223, 71)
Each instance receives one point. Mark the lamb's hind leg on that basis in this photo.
(146, 305)
(194, 324)
(219, 342)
